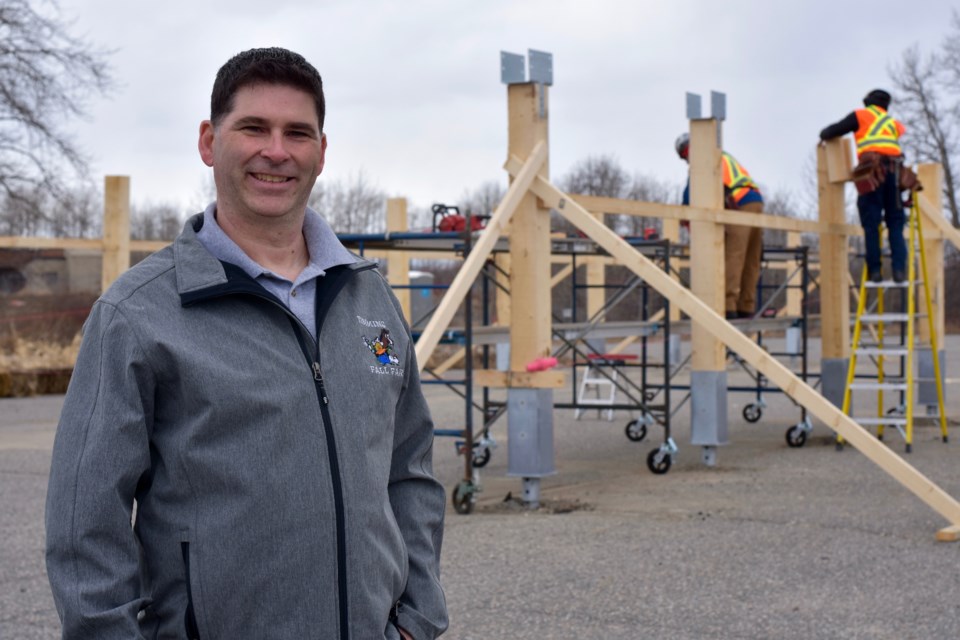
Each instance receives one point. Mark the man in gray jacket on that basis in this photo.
(252, 389)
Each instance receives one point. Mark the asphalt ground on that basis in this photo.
(772, 542)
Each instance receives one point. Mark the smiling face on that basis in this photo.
(266, 154)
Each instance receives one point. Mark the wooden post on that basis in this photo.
(398, 262)
(530, 318)
(931, 176)
(794, 294)
(834, 269)
(670, 228)
(116, 229)
(706, 240)
(596, 278)
(708, 375)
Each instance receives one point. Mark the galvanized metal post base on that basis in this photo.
(833, 379)
(708, 456)
(531, 492)
(708, 412)
(927, 387)
(530, 439)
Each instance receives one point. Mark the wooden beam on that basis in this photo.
(19, 242)
(949, 534)
(940, 223)
(519, 379)
(116, 229)
(794, 294)
(930, 176)
(398, 262)
(530, 248)
(596, 204)
(471, 267)
(876, 451)
(706, 241)
(834, 295)
(561, 275)
(839, 160)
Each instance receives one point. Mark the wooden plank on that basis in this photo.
(875, 450)
(706, 241)
(670, 230)
(471, 267)
(835, 316)
(949, 534)
(561, 275)
(116, 229)
(22, 242)
(938, 222)
(621, 206)
(398, 262)
(519, 379)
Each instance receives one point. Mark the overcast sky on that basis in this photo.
(414, 98)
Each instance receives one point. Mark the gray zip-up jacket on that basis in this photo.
(283, 485)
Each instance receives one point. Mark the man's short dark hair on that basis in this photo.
(272, 65)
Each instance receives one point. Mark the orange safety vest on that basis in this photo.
(736, 178)
(878, 132)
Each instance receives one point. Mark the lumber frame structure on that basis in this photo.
(531, 192)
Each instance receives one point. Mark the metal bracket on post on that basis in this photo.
(540, 70)
(718, 110)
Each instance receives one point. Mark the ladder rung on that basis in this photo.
(885, 317)
(889, 421)
(879, 386)
(881, 351)
(888, 284)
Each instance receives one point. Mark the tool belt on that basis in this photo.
(870, 172)
(872, 169)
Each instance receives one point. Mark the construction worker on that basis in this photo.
(742, 246)
(877, 177)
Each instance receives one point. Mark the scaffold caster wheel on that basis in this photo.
(636, 430)
(659, 461)
(752, 412)
(462, 497)
(481, 456)
(796, 436)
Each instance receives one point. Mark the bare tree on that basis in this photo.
(597, 176)
(483, 200)
(927, 104)
(46, 76)
(155, 221)
(352, 205)
(74, 213)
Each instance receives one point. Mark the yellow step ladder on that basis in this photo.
(881, 351)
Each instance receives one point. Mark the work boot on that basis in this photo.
(875, 276)
(899, 275)
(732, 315)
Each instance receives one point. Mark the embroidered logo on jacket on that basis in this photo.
(382, 349)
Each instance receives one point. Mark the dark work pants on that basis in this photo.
(883, 205)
